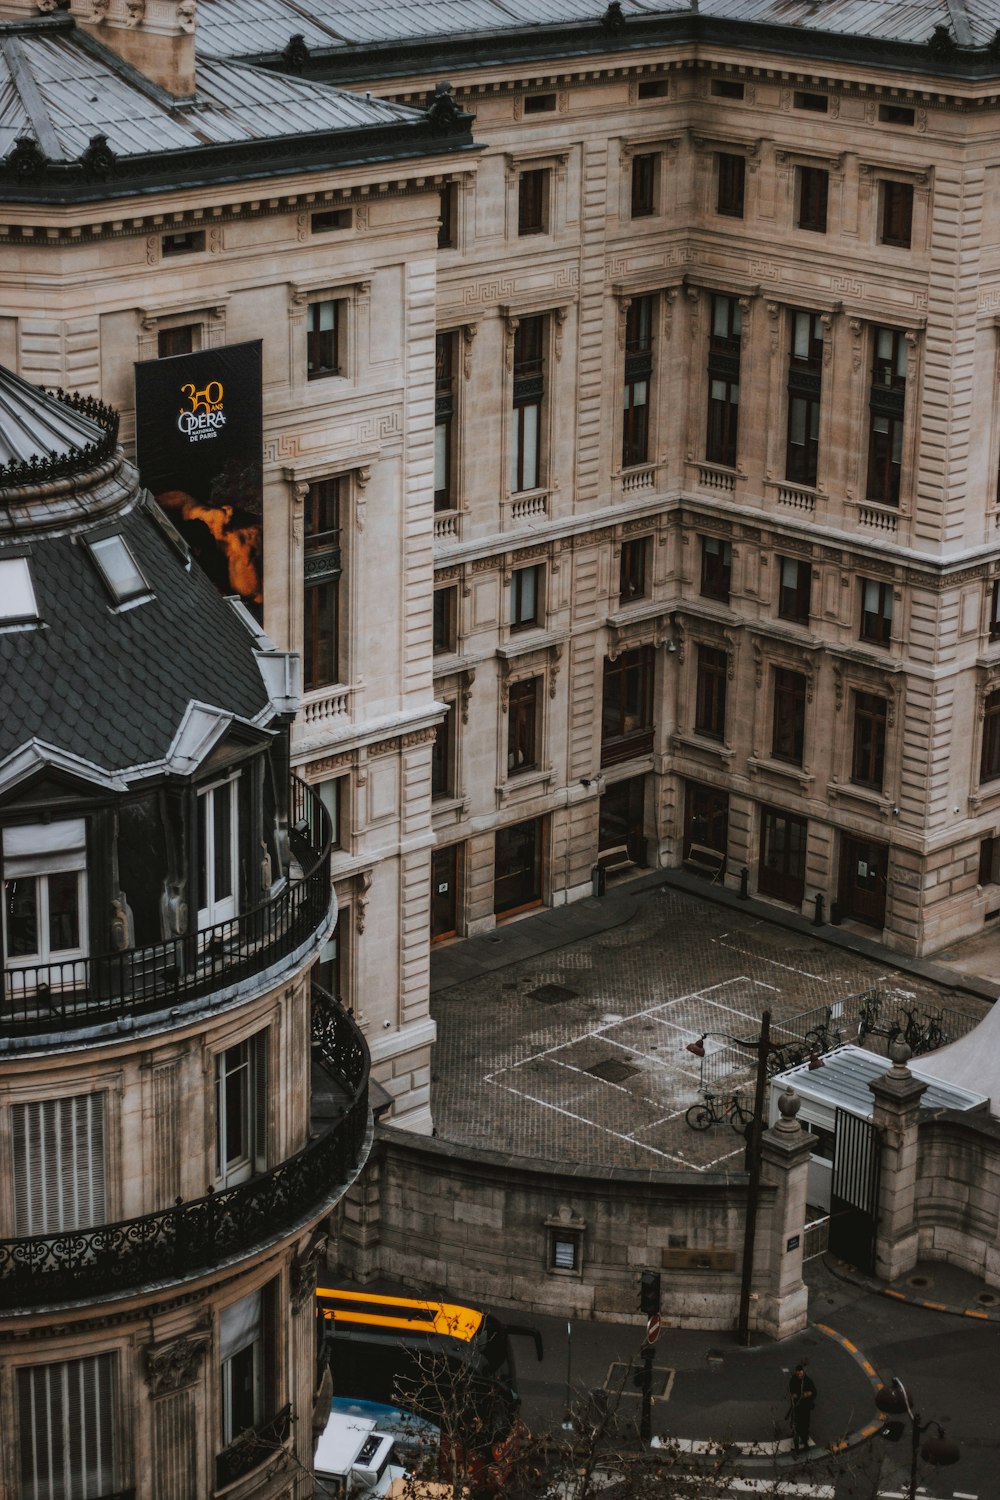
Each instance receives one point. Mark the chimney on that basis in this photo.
(155, 36)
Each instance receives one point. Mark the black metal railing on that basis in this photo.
(252, 1448)
(79, 992)
(195, 1236)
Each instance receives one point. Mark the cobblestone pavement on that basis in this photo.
(579, 1054)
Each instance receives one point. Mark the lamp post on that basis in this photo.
(893, 1401)
(763, 1046)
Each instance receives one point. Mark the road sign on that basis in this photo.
(653, 1328)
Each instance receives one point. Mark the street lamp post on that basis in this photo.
(893, 1401)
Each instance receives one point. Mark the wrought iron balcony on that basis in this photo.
(84, 991)
(194, 1237)
(252, 1448)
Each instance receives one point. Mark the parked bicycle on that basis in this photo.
(823, 1038)
(716, 1109)
(920, 1036)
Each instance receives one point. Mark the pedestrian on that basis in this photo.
(802, 1399)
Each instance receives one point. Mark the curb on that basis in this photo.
(844, 1272)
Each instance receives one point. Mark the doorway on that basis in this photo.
(861, 889)
(781, 872)
(706, 818)
(620, 830)
(444, 892)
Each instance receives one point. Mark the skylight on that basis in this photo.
(118, 568)
(17, 597)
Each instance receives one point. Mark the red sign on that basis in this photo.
(653, 1328)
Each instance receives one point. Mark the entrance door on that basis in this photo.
(854, 1191)
(862, 885)
(706, 817)
(622, 810)
(782, 869)
(444, 892)
(519, 866)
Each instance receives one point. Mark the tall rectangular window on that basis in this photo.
(444, 421)
(218, 852)
(67, 1425)
(443, 756)
(633, 581)
(886, 406)
(59, 1164)
(794, 589)
(868, 759)
(45, 896)
(448, 220)
(321, 585)
(247, 1347)
(805, 375)
(789, 716)
(812, 193)
(896, 214)
(716, 568)
(178, 340)
(710, 693)
(445, 620)
(989, 759)
(241, 1110)
(724, 381)
(533, 201)
(645, 175)
(995, 610)
(526, 588)
(876, 611)
(730, 184)
(639, 324)
(529, 398)
(524, 725)
(627, 706)
(324, 331)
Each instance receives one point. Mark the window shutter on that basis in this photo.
(260, 1100)
(66, 1424)
(59, 1164)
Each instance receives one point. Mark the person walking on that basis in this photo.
(802, 1399)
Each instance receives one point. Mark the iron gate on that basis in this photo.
(854, 1192)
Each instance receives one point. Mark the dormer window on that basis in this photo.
(118, 569)
(44, 907)
(17, 596)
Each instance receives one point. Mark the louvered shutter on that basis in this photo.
(66, 1425)
(59, 1164)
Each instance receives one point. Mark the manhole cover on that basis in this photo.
(611, 1070)
(988, 1299)
(553, 994)
(920, 1281)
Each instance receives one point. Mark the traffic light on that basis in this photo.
(649, 1292)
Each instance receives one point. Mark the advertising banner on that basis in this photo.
(199, 446)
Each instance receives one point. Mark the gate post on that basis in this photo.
(896, 1109)
(783, 1297)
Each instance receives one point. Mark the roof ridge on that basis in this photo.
(31, 98)
(961, 24)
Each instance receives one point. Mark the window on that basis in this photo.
(539, 104)
(179, 340)
(443, 756)
(876, 611)
(794, 589)
(652, 88)
(218, 852)
(448, 217)
(444, 421)
(331, 794)
(523, 725)
(241, 1110)
(60, 1168)
(995, 610)
(868, 760)
(788, 730)
(445, 620)
(727, 88)
(989, 760)
(781, 872)
(634, 562)
(184, 242)
(533, 201)
(989, 861)
(818, 103)
(526, 586)
(45, 890)
(627, 706)
(896, 114)
(731, 176)
(710, 694)
(805, 376)
(529, 396)
(249, 1364)
(896, 214)
(321, 574)
(17, 594)
(886, 406)
(724, 381)
(329, 219)
(639, 323)
(716, 568)
(645, 175)
(323, 337)
(118, 568)
(67, 1422)
(812, 193)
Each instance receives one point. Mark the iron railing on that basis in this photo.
(79, 992)
(252, 1447)
(192, 1237)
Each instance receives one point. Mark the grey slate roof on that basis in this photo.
(247, 27)
(32, 423)
(112, 686)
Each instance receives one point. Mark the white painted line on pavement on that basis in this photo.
(762, 958)
(582, 1120)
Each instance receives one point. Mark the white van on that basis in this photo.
(353, 1459)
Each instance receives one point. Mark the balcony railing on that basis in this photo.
(194, 1237)
(251, 1448)
(83, 991)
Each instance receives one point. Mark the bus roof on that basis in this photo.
(403, 1314)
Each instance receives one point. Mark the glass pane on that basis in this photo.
(800, 335)
(17, 597)
(529, 469)
(118, 567)
(203, 850)
(21, 902)
(64, 911)
(440, 457)
(528, 579)
(325, 317)
(797, 421)
(223, 834)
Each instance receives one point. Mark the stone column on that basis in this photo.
(782, 1297)
(897, 1107)
(354, 1245)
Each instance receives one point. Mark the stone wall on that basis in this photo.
(957, 1200)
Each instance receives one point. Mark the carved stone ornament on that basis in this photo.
(304, 1272)
(99, 11)
(26, 160)
(136, 12)
(443, 114)
(173, 1365)
(98, 161)
(296, 53)
(187, 14)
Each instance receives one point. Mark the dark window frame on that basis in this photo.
(711, 688)
(868, 751)
(633, 568)
(875, 624)
(443, 758)
(795, 599)
(524, 725)
(812, 198)
(445, 627)
(788, 717)
(322, 573)
(716, 568)
(645, 184)
(527, 606)
(994, 626)
(895, 213)
(178, 339)
(528, 395)
(886, 415)
(445, 401)
(447, 235)
(627, 704)
(324, 346)
(640, 332)
(533, 192)
(989, 754)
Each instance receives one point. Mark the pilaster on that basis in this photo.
(895, 1116)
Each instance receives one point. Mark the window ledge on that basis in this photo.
(526, 641)
(703, 746)
(440, 806)
(765, 766)
(521, 781)
(873, 801)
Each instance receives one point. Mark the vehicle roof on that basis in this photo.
(402, 1314)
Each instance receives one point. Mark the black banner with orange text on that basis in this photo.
(199, 447)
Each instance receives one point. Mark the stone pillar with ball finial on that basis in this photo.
(782, 1298)
(895, 1117)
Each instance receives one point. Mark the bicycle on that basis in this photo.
(822, 1038)
(716, 1109)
